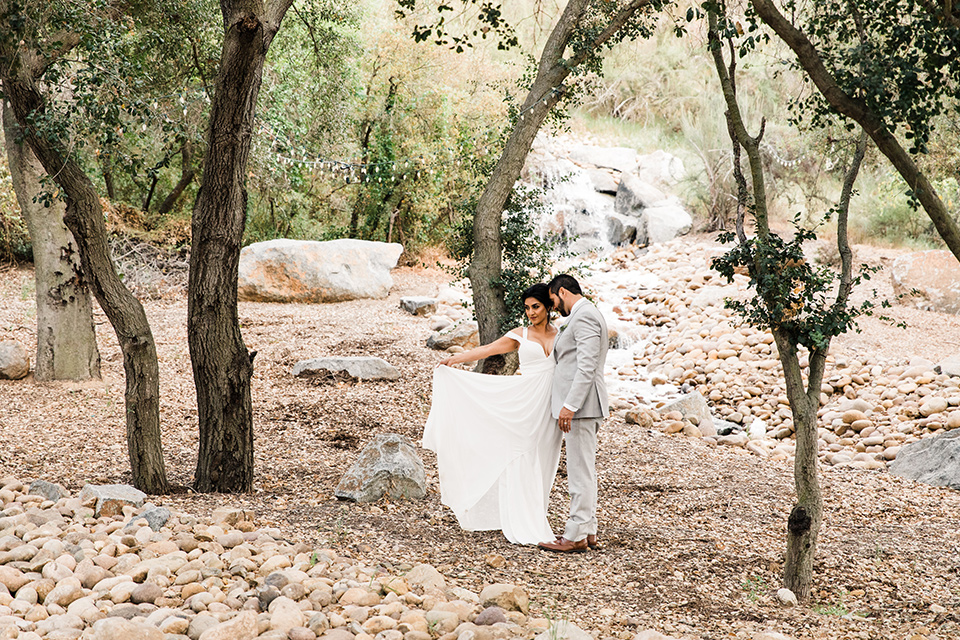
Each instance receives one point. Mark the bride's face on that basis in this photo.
(536, 312)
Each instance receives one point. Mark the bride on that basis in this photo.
(497, 445)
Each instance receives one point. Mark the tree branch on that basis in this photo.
(854, 108)
(615, 24)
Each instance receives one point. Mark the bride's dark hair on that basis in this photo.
(541, 293)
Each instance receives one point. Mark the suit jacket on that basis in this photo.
(581, 353)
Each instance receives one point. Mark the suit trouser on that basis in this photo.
(582, 478)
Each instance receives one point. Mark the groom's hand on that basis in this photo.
(565, 419)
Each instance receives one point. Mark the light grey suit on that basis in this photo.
(581, 353)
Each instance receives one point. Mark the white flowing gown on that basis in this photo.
(497, 445)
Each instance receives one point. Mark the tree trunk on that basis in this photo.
(886, 142)
(222, 366)
(803, 525)
(187, 173)
(84, 218)
(106, 166)
(487, 261)
(66, 339)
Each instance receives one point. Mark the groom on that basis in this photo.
(579, 402)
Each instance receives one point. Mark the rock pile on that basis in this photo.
(870, 407)
(66, 574)
(599, 196)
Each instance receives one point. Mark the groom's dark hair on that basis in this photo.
(565, 281)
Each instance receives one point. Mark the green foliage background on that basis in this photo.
(345, 82)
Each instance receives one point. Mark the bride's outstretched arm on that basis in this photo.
(503, 345)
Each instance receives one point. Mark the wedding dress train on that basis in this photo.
(497, 445)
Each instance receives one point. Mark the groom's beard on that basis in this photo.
(563, 310)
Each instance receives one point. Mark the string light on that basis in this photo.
(395, 170)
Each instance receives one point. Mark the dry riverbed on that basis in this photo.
(693, 533)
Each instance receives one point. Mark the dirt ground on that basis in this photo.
(693, 536)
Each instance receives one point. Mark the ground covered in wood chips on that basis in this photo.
(693, 536)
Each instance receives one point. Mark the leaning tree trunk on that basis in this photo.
(486, 264)
(84, 218)
(66, 339)
(222, 365)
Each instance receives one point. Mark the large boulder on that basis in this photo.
(621, 229)
(634, 195)
(930, 279)
(14, 361)
(111, 498)
(463, 334)
(934, 461)
(660, 168)
(361, 368)
(388, 465)
(664, 222)
(694, 408)
(949, 366)
(603, 181)
(308, 271)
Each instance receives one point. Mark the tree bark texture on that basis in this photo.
(187, 173)
(487, 261)
(222, 365)
(803, 525)
(809, 58)
(66, 339)
(84, 218)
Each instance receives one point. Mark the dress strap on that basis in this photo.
(524, 334)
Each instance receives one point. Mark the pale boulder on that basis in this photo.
(634, 196)
(285, 614)
(388, 465)
(621, 159)
(933, 405)
(308, 271)
(508, 597)
(425, 575)
(664, 222)
(934, 461)
(462, 334)
(359, 367)
(14, 361)
(419, 305)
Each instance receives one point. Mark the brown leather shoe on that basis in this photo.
(592, 542)
(562, 545)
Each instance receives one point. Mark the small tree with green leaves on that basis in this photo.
(791, 295)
